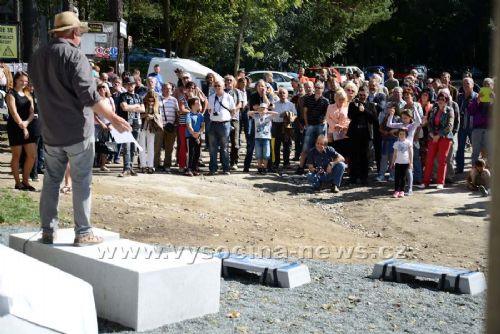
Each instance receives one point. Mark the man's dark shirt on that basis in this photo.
(321, 159)
(62, 78)
(316, 109)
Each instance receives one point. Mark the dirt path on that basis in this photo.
(279, 215)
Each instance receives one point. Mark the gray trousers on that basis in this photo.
(81, 158)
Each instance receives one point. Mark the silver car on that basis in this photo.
(282, 79)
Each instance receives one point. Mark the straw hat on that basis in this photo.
(68, 20)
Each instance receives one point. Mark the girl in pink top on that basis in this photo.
(338, 122)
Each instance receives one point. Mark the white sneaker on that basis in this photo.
(439, 186)
(234, 167)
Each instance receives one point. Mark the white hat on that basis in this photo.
(263, 105)
(68, 20)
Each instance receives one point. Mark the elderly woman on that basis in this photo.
(440, 125)
(338, 122)
(19, 129)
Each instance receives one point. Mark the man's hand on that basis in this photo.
(120, 124)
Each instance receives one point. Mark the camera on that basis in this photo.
(215, 113)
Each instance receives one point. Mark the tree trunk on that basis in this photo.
(239, 42)
(166, 27)
(67, 5)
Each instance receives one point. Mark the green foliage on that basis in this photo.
(17, 208)
(444, 33)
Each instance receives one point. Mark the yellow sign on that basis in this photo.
(8, 42)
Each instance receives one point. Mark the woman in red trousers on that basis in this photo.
(440, 124)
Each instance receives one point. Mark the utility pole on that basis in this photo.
(116, 11)
(493, 320)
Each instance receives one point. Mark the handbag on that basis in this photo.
(104, 146)
(108, 147)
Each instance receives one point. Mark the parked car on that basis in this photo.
(344, 70)
(314, 72)
(281, 78)
(169, 65)
(369, 70)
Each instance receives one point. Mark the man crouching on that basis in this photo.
(326, 166)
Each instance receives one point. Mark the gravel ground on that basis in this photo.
(340, 299)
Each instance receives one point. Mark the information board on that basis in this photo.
(9, 41)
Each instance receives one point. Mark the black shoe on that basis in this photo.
(27, 187)
(299, 171)
(449, 181)
(246, 170)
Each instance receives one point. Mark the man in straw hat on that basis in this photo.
(67, 98)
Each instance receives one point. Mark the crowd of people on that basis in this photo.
(413, 134)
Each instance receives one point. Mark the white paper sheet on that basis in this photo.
(124, 137)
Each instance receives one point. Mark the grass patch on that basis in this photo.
(17, 208)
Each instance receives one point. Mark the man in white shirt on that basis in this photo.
(285, 110)
(221, 107)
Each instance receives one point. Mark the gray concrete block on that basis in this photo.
(135, 284)
(451, 279)
(274, 272)
(38, 298)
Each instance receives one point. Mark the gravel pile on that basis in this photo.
(340, 299)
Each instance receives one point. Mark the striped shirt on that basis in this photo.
(168, 109)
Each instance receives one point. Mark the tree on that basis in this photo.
(319, 30)
(257, 24)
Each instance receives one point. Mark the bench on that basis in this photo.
(457, 280)
(273, 272)
(38, 298)
(135, 284)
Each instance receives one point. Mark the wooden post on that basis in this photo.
(493, 320)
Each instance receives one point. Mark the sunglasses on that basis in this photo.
(101, 87)
(349, 90)
(217, 86)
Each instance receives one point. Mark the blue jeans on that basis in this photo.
(262, 148)
(311, 133)
(129, 152)
(333, 178)
(463, 134)
(81, 158)
(386, 155)
(250, 144)
(219, 138)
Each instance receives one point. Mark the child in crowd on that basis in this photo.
(263, 122)
(402, 160)
(411, 123)
(479, 178)
(195, 126)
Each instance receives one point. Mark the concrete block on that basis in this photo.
(274, 272)
(65, 237)
(457, 280)
(38, 298)
(135, 284)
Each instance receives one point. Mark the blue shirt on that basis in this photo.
(321, 159)
(195, 120)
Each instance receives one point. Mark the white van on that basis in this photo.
(168, 65)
